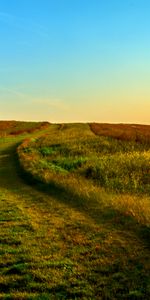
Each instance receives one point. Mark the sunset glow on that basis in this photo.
(75, 61)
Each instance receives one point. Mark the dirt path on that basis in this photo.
(33, 230)
(24, 223)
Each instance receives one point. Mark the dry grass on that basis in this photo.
(125, 132)
(16, 128)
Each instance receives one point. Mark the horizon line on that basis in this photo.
(76, 122)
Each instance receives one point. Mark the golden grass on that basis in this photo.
(126, 132)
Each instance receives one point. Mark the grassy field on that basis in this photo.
(124, 132)
(75, 215)
(14, 128)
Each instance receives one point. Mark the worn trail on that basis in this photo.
(25, 215)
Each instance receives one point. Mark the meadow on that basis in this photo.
(13, 128)
(74, 152)
(75, 212)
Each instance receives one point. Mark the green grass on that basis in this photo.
(122, 166)
(63, 235)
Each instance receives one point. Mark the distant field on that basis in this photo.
(125, 132)
(16, 127)
(75, 213)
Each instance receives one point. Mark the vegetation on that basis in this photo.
(75, 152)
(124, 132)
(18, 127)
(80, 228)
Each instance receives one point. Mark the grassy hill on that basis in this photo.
(75, 212)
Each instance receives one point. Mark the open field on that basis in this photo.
(16, 128)
(73, 151)
(124, 132)
(75, 215)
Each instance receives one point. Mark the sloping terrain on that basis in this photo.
(70, 239)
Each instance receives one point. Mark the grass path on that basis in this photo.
(51, 248)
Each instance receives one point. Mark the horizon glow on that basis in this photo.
(75, 61)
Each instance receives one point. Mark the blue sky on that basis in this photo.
(75, 60)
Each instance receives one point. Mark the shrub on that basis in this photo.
(46, 151)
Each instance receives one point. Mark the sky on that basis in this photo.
(75, 60)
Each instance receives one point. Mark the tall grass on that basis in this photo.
(76, 160)
(121, 166)
(123, 132)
